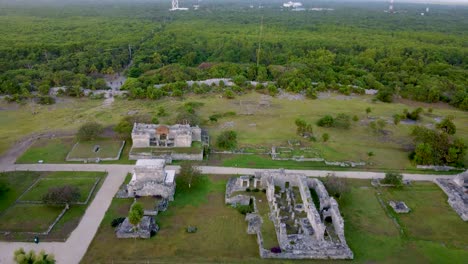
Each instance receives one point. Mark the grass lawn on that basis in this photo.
(18, 182)
(48, 150)
(222, 237)
(86, 149)
(29, 217)
(17, 218)
(85, 186)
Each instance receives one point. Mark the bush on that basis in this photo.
(62, 195)
(227, 140)
(21, 257)
(393, 178)
(325, 137)
(117, 221)
(46, 100)
(326, 121)
(355, 118)
(336, 186)
(4, 187)
(136, 214)
(447, 126)
(415, 115)
(342, 121)
(229, 94)
(89, 131)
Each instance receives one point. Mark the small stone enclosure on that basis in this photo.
(305, 228)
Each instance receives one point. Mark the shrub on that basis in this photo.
(256, 190)
(89, 131)
(229, 94)
(136, 214)
(415, 115)
(336, 186)
(396, 119)
(117, 221)
(21, 257)
(393, 178)
(325, 137)
(4, 187)
(385, 95)
(227, 140)
(342, 121)
(62, 195)
(326, 121)
(355, 118)
(46, 100)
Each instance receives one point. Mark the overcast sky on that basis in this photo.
(305, 1)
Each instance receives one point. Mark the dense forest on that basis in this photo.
(348, 49)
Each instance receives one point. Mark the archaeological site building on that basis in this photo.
(457, 192)
(157, 135)
(308, 222)
(150, 178)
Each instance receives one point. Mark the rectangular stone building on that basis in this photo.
(158, 135)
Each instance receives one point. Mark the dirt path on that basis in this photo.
(21, 146)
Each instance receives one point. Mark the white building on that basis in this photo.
(292, 4)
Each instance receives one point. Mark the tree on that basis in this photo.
(21, 257)
(393, 178)
(62, 195)
(135, 215)
(447, 125)
(385, 95)
(189, 176)
(227, 140)
(396, 119)
(336, 186)
(89, 131)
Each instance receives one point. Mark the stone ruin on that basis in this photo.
(457, 192)
(305, 229)
(145, 229)
(399, 207)
(150, 178)
(158, 135)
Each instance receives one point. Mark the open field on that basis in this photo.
(86, 149)
(27, 217)
(48, 150)
(370, 232)
(56, 150)
(265, 127)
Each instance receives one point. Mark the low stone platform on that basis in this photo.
(399, 207)
(146, 229)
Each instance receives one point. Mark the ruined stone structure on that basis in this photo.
(151, 135)
(305, 229)
(399, 207)
(150, 178)
(457, 192)
(145, 229)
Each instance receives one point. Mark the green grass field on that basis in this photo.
(29, 217)
(48, 150)
(20, 217)
(222, 237)
(274, 125)
(85, 186)
(85, 149)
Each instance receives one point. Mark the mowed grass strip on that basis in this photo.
(48, 150)
(86, 149)
(85, 186)
(29, 218)
(17, 182)
(439, 222)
